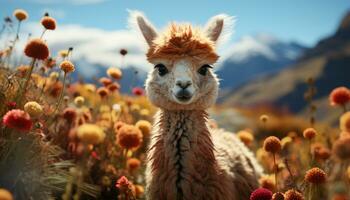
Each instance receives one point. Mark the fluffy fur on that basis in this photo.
(187, 159)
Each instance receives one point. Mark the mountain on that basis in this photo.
(254, 56)
(327, 63)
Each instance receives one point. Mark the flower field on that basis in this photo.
(63, 139)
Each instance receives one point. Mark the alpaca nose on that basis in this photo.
(183, 84)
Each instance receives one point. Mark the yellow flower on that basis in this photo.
(20, 14)
(63, 53)
(345, 122)
(246, 137)
(144, 112)
(33, 109)
(5, 195)
(144, 126)
(90, 134)
(67, 66)
(90, 87)
(79, 101)
(54, 75)
(114, 73)
(285, 141)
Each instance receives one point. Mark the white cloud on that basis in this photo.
(72, 2)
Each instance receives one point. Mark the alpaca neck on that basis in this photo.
(181, 153)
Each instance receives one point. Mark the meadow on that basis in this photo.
(63, 139)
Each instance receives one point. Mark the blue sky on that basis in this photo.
(305, 21)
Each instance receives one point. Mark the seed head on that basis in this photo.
(315, 176)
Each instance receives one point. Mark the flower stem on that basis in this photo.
(61, 95)
(275, 170)
(23, 88)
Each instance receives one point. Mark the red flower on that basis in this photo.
(122, 183)
(95, 155)
(11, 104)
(261, 194)
(339, 96)
(137, 91)
(17, 119)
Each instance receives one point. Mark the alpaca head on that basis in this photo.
(183, 57)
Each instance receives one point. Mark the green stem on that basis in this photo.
(23, 88)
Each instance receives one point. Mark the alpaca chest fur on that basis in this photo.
(182, 162)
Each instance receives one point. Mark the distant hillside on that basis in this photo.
(254, 56)
(328, 63)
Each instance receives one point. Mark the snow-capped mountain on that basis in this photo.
(253, 56)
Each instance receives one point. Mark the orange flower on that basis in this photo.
(341, 148)
(67, 66)
(272, 144)
(20, 14)
(133, 164)
(5, 195)
(246, 137)
(102, 91)
(105, 81)
(309, 133)
(114, 73)
(48, 22)
(339, 96)
(37, 48)
(129, 137)
(315, 176)
(345, 122)
(293, 195)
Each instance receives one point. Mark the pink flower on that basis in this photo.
(261, 194)
(122, 183)
(17, 119)
(137, 91)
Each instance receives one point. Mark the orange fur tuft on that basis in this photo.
(182, 41)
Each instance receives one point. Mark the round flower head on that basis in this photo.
(90, 134)
(144, 112)
(69, 114)
(133, 164)
(339, 96)
(261, 194)
(113, 87)
(79, 101)
(144, 126)
(345, 122)
(67, 66)
(278, 196)
(129, 137)
(264, 118)
(139, 191)
(246, 137)
(90, 87)
(37, 48)
(272, 144)
(48, 22)
(123, 52)
(17, 119)
(102, 91)
(20, 14)
(293, 195)
(309, 133)
(114, 73)
(63, 53)
(123, 183)
(268, 182)
(54, 75)
(341, 148)
(5, 195)
(315, 176)
(137, 91)
(33, 108)
(105, 81)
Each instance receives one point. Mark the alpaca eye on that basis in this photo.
(204, 69)
(162, 70)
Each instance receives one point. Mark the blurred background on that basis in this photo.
(276, 47)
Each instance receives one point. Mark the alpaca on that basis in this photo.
(187, 159)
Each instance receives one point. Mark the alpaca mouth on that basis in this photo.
(183, 96)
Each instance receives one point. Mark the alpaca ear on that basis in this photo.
(220, 27)
(137, 19)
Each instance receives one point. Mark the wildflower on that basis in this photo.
(113, 87)
(22, 70)
(123, 183)
(320, 152)
(105, 81)
(341, 148)
(264, 118)
(129, 137)
(139, 190)
(117, 108)
(118, 125)
(11, 105)
(67, 66)
(102, 91)
(278, 196)
(293, 195)
(69, 114)
(63, 53)
(272, 144)
(53, 75)
(261, 194)
(37, 49)
(137, 91)
(345, 122)
(33, 108)
(315, 176)
(144, 126)
(144, 112)
(268, 182)
(133, 164)
(285, 141)
(20, 14)
(123, 52)
(309, 133)
(17, 119)
(79, 101)
(135, 107)
(246, 137)
(339, 96)
(114, 73)
(48, 22)
(5, 195)
(90, 87)
(90, 134)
